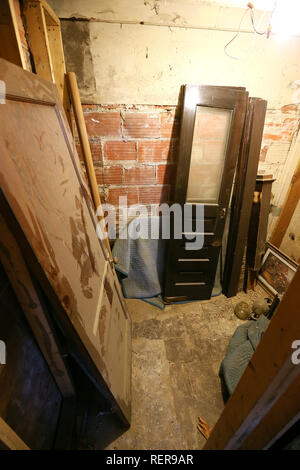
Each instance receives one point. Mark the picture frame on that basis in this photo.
(277, 270)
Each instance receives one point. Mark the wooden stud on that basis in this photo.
(51, 18)
(257, 234)
(10, 438)
(47, 48)
(280, 418)
(59, 68)
(39, 43)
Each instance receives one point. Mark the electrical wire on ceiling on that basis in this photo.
(256, 29)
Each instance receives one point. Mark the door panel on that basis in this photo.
(42, 181)
(211, 131)
(210, 140)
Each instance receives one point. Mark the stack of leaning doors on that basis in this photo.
(45, 205)
(220, 137)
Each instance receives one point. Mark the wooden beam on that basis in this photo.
(243, 194)
(47, 48)
(288, 209)
(86, 150)
(58, 59)
(20, 279)
(10, 438)
(38, 38)
(10, 39)
(279, 419)
(268, 376)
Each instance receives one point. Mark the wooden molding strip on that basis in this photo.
(10, 438)
(38, 38)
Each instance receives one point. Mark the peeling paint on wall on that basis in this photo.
(77, 41)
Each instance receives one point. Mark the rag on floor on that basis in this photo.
(240, 350)
(141, 259)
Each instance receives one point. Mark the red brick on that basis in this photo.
(119, 150)
(156, 151)
(289, 108)
(109, 175)
(169, 125)
(288, 128)
(141, 125)
(282, 130)
(166, 174)
(115, 193)
(153, 194)
(263, 153)
(87, 107)
(145, 175)
(275, 137)
(79, 152)
(95, 150)
(103, 124)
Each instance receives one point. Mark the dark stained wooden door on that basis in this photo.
(211, 130)
(43, 183)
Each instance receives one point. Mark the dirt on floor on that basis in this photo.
(175, 374)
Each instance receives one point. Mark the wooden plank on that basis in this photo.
(20, 279)
(65, 428)
(47, 48)
(10, 438)
(51, 17)
(257, 233)
(266, 378)
(59, 68)
(86, 150)
(38, 39)
(279, 419)
(17, 33)
(243, 194)
(30, 400)
(10, 40)
(288, 209)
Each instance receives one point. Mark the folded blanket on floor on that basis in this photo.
(141, 260)
(240, 350)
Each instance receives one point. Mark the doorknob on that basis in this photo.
(222, 213)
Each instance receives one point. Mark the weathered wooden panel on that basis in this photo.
(29, 398)
(42, 181)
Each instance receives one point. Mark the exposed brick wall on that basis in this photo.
(134, 149)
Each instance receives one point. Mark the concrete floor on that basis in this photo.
(175, 373)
